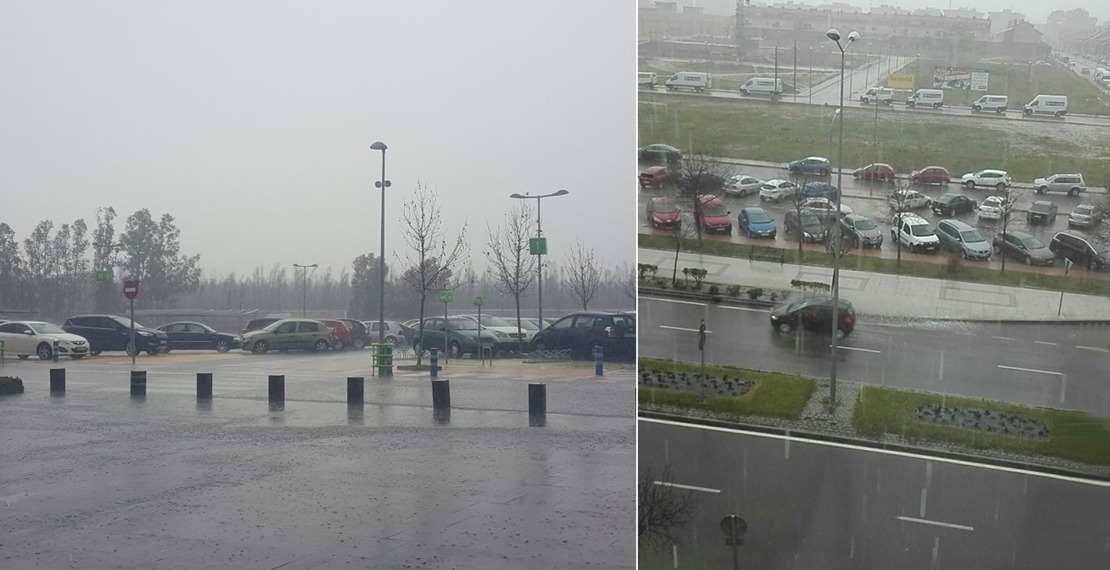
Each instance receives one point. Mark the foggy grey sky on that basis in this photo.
(251, 122)
(1037, 12)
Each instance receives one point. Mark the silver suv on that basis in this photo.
(964, 239)
(1073, 184)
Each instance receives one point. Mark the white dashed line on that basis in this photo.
(677, 302)
(681, 329)
(687, 487)
(1094, 348)
(842, 347)
(1031, 370)
(1045, 342)
(935, 523)
(1003, 338)
(749, 309)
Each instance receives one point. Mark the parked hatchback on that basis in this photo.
(931, 175)
(952, 204)
(861, 231)
(655, 176)
(742, 185)
(877, 171)
(1022, 246)
(713, 216)
(815, 315)
(1080, 251)
(1085, 216)
(662, 213)
(111, 332)
(775, 190)
(811, 165)
(289, 334)
(579, 333)
(808, 227)
(1041, 212)
(755, 222)
(963, 239)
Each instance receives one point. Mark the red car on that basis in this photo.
(662, 213)
(931, 175)
(340, 334)
(877, 171)
(713, 215)
(655, 176)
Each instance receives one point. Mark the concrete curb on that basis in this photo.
(873, 444)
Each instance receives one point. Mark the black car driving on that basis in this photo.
(111, 332)
(814, 314)
(190, 335)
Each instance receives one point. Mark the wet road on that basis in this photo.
(96, 479)
(1055, 365)
(810, 505)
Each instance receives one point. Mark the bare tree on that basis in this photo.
(680, 233)
(430, 258)
(511, 264)
(583, 275)
(899, 204)
(1101, 202)
(1008, 200)
(663, 509)
(697, 176)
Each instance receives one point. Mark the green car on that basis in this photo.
(459, 335)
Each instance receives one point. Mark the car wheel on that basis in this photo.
(1001, 187)
(321, 345)
(77, 356)
(94, 352)
(1092, 264)
(539, 346)
(944, 183)
(390, 339)
(455, 350)
(131, 350)
(44, 351)
(153, 351)
(222, 346)
(1028, 260)
(997, 250)
(359, 344)
(1073, 192)
(970, 184)
(784, 328)
(840, 334)
(261, 347)
(1042, 190)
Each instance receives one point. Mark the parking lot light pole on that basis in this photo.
(539, 234)
(383, 184)
(834, 35)
(304, 287)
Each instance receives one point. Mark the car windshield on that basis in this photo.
(921, 230)
(714, 211)
(972, 236)
(758, 217)
(1083, 210)
(127, 322)
(665, 208)
(460, 324)
(864, 225)
(270, 327)
(810, 220)
(1040, 207)
(45, 328)
(494, 321)
(1032, 243)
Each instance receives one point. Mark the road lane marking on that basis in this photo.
(935, 523)
(749, 309)
(1045, 342)
(1031, 370)
(1094, 348)
(676, 301)
(842, 347)
(681, 329)
(1003, 338)
(895, 453)
(687, 487)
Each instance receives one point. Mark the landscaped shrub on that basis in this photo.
(755, 293)
(10, 385)
(714, 290)
(733, 290)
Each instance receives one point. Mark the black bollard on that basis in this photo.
(138, 382)
(277, 389)
(537, 399)
(204, 385)
(354, 390)
(57, 380)
(441, 394)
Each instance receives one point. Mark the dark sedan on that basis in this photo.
(952, 204)
(1020, 245)
(1041, 212)
(188, 335)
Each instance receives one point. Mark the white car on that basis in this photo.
(742, 185)
(1073, 184)
(992, 178)
(909, 200)
(27, 338)
(992, 208)
(823, 207)
(775, 190)
(503, 330)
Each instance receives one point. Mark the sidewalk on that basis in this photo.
(881, 294)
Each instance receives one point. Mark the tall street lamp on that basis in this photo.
(540, 245)
(304, 287)
(383, 184)
(834, 35)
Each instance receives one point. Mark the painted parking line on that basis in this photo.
(1034, 370)
(1045, 342)
(676, 301)
(687, 487)
(935, 523)
(1094, 348)
(1003, 338)
(681, 329)
(749, 309)
(873, 351)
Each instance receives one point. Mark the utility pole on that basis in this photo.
(795, 68)
(304, 286)
(738, 31)
(775, 91)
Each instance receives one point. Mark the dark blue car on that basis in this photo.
(816, 189)
(810, 165)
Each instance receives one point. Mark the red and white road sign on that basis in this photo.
(130, 289)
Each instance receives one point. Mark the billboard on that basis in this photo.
(900, 81)
(960, 78)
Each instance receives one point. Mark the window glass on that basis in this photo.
(307, 327)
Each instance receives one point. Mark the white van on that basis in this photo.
(1100, 73)
(884, 95)
(1055, 105)
(996, 103)
(926, 98)
(688, 80)
(762, 86)
(645, 80)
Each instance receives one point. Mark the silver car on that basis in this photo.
(963, 239)
(1073, 184)
(1085, 216)
(742, 185)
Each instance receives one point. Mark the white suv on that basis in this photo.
(999, 179)
(1071, 183)
(914, 232)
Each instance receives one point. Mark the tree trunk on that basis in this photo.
(420, 328)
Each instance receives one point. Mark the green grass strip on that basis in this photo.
(775, 395)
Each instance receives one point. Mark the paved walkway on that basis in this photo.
(888, 295)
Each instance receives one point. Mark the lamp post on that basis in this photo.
(540, 249)
(383, 184)
(304, 287)
(834, 35)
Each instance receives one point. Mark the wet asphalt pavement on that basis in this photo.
(97, 479)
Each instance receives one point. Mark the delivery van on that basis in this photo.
(996, 103)
(884, 95)
(698, 82)
(762, 86)
(926, 98)
(645, 80)
(1055, 105)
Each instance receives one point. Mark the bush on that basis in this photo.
(10, 385)
(755, 293)
(733, 290)
(774, 296)
(714, 290)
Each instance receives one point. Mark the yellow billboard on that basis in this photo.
(900, 81)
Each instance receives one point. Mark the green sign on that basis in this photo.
(479, 301)
(446, 296)
(102, 276)
(130, 304)
(537, 246)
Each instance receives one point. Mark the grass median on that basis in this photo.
(781, 132)
(961, 272)
(1074, 436)
(774, 395)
